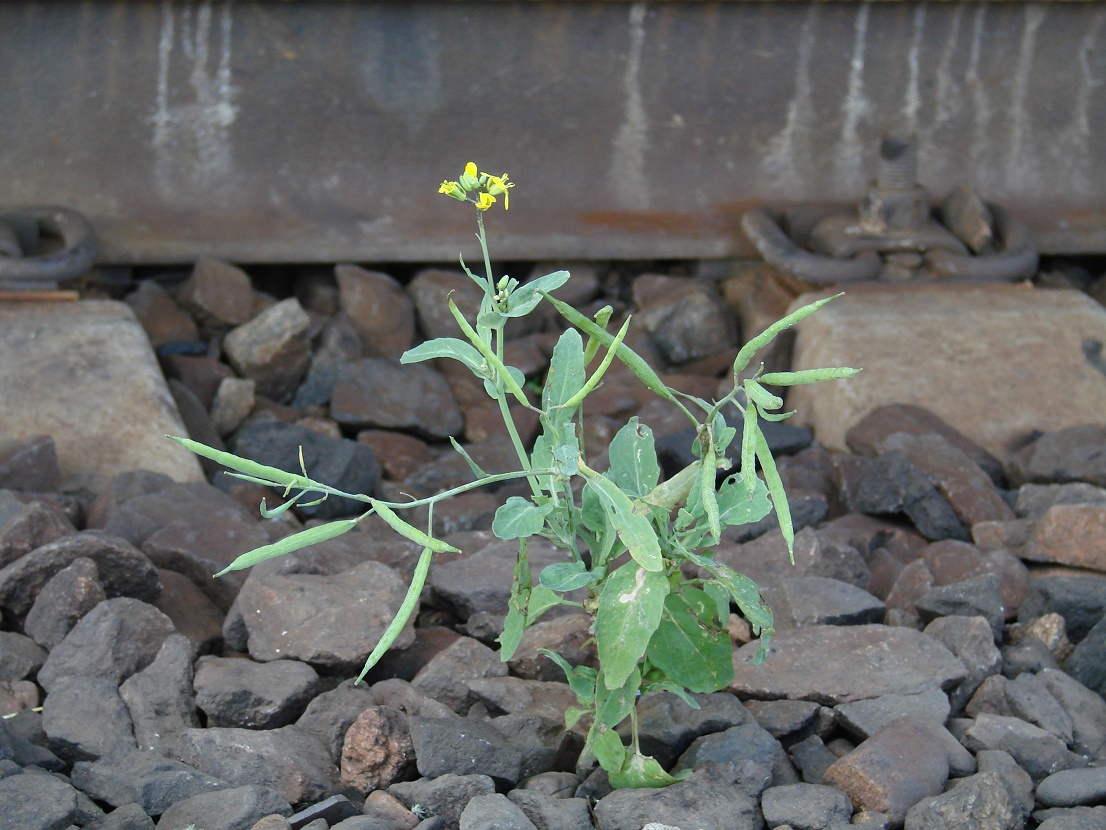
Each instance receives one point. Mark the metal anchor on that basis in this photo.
(24, 264)
(896, 236)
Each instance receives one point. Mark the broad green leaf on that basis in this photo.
(668, 494)
(642, 771)
(518, 518)
(745, 593)
(572, 717)
(592, 513)
(581, 679)
(761, 396)
(769, 334)
(633, 456)
(601, 370)
(721, 599)
(450, 347)
(406, 610)
(541, 458)
(517, 605)
(259, 472)
(491, 318)
(629, 521)
(634, 362)
(311, 536)
(409, 531)
(565, 576)
(608, 747)
(525, 298)
(689, 646)
(779, 497)
(565, 378)
(612, 706)
(737, 505)
(516, 376)
(541, 600)
(678, 691)
(566, 454)
(807, 376)
(630, 608)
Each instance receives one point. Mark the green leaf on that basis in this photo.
(746, 594)
(673, 688)
(634, 362)
(541, 600)
(630, 608)
(512, 381)
(633, 455)
(643, 771)
(707, 496)
(311, 536)
(738, 505)
(807, 376)
(572, 717)
(564, 379)
(779, 497)
(581, 679)
(517, 605)
(668, 494)
(769, 334)
(689, 646)
(516, 376)
(566, 454)
(566, 576)
(519, 518)
(608, 748)
(406, 609)
(721, 599)
(525, 298)
(612, 706)
(631, 523)
(410, 531)
(450, 347)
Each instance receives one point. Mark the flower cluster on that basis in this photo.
(478, 188)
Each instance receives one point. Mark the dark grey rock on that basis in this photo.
(1016, 780)
(549, 813)
(379, 392)
(746, 742)
(444, 677)
(1029, 655)
(20, 656)
(339, 462)
(1033, 500)
(1086, 663)
(37, 802)
(978, 596)
(233, 691)
(140, 512)
(1037, 752)
(812, 758)
(893, 485)
(233, 809)
(124, 570)
(114, 640)
(70, 594)
(1073, 788)
(864, 718)
(1086, 710)
(311, 617)
(328, 716)
(127, 817)
(29, 464)
(445, 797)
(708, 800)
(814, 600)
(1076, 453)
(836, 664)
(788, 718)
(667, 725)
(290, 760)
(463, 746)
(980, 801)
(331, 811)
(805, 806)
(85, 718)
(687, 319)
(1080, 600)
(145, 778)
(1071, 818)
(1030, 700)
(159, 697)
(494, 812)
(971, 640)
(29, 526)
(541, 741)
(23, 749)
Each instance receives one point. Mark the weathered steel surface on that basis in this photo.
(300, 131)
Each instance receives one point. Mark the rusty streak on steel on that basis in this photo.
(300, 131)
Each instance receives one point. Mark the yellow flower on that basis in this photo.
(470, 179)
(453, 190)
(485, 201)
(499, 185)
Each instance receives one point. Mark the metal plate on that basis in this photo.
(303, 131)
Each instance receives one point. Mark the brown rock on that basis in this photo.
(892, 770)
(913, 582)
(377, 751)
(952, 338)
(159, 315)
(951, 561)
(567, 635)
(32, 526)
(272, 349)
(384, 314)
(836, 664)
(218, 293)
(399, 455)
(29, 464)
(377, 392)
(234, 400)
(200, 374)
(1069, 534)
(17, 696)
(686, 318)
(431, 290)
(192, 613)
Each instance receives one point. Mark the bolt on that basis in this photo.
(898, 163)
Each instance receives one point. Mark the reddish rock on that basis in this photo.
(200, 374)
(398, 454)
(382, 311)
(377, 751)
(431, 289)
(1069, 534)
(193, 614)
(17, 696)
(159, 315)
(567, 635)
(218, 293)
(272, 349)
(32, 526)
(891, 771)
(377, 392)
(912, 583)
